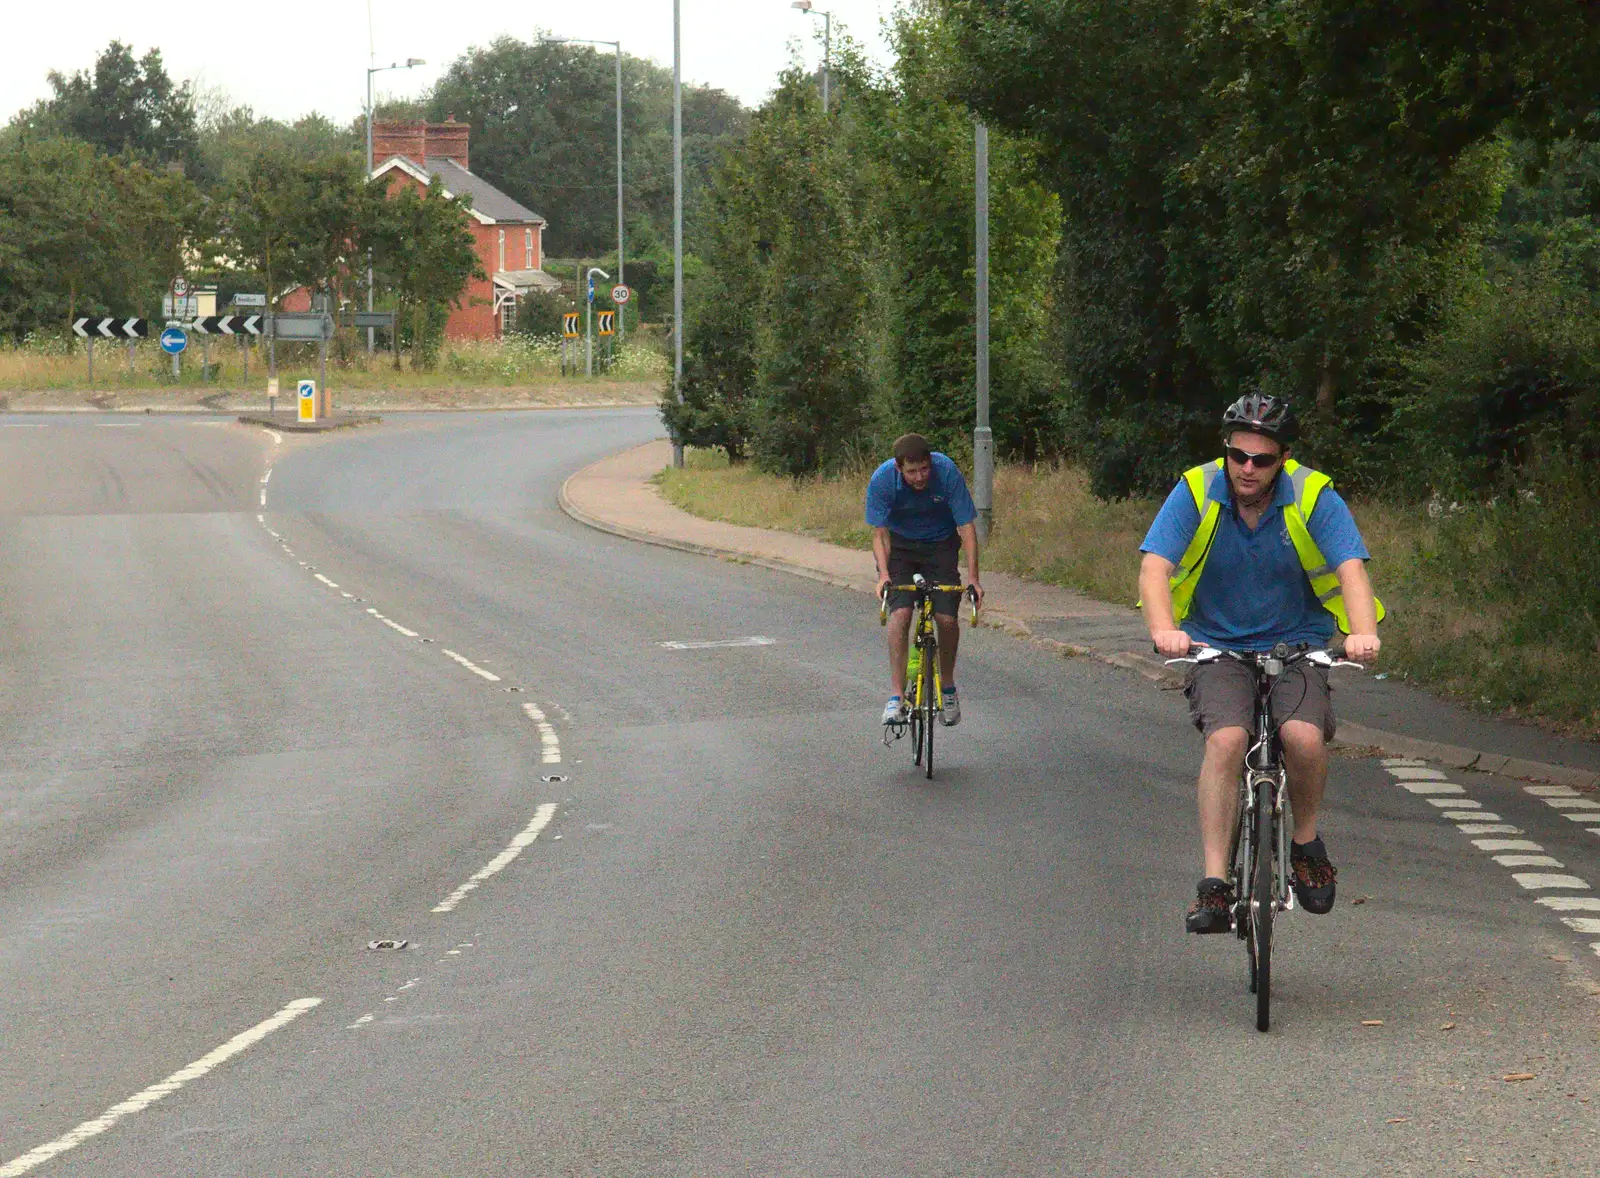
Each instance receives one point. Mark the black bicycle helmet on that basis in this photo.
(1260, 414)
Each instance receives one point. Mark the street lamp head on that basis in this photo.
(411, 61)
(802, 5)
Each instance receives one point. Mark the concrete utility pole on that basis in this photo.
(677, 218)
(622, 269)
(378, 69)
(827, 43)
(982, 436)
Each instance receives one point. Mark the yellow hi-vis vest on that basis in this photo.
(1308, 486)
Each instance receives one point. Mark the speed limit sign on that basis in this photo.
(620, 294)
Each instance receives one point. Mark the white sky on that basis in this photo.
(286, 58)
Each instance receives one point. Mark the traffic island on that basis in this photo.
(289, 422)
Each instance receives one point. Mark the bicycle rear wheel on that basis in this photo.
(1261, 903)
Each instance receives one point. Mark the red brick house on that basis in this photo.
(509, 237)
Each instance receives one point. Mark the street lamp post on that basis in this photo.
(588, 331)
(827, 43)
(622, 270)
(410, 63)
(982, 435)
(677, 218)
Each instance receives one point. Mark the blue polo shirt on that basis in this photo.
(927, 516)
(1253, 593)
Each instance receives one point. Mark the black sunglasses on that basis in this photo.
(1259, 461)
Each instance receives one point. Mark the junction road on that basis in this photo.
(667, 909)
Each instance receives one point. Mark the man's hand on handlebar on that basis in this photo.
(883, 585)
(976, 592)
(1172, 644)
(1362, 648)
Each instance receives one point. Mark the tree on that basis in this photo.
(424, 255)
(125, 105)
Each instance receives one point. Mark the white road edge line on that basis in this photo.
(550, 753)
(143, 1100)
(472, 666)
(541, 819)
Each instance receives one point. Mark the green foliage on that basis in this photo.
(543, 122)
(423, 250)
(81, 233)
(126, 106)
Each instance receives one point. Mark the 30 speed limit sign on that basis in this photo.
(620, 294)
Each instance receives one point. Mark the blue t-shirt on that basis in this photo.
(1253, 593)
(929, 515)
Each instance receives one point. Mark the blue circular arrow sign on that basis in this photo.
(173, 341)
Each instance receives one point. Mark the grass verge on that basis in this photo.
(1443, 632)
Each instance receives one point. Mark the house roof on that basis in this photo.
(489, 205)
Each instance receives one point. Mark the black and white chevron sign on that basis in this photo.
(229, 325)
(111, 328)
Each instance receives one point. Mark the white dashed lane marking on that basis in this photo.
(1472, 819)
(471, 666)
(551, 754)
(143, 1100)
(541, 819)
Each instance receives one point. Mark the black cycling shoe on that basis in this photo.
(1212, 907)
(1315, 879)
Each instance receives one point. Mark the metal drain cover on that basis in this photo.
(553, 778)
(388, 943)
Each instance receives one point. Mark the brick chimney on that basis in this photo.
(407, 137)
(448, 140)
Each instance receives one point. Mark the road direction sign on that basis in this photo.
(249, 300)
(229, 325)
(105, 328)
(608, 322)
(173, 340)
(185, 307)
(620, 294)
(569, 324)
(374, 318)
(302, 325)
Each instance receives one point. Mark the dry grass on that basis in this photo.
(1049, 528)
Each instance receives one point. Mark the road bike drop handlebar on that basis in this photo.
(920, 586)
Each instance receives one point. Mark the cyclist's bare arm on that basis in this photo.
(880, 554)
(1156, 594)
(1363, 642)
(969, 548)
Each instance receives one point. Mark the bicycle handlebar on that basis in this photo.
(920, 586)
(1321, 658)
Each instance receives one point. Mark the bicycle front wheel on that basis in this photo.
(930, 701)
(1261, 903)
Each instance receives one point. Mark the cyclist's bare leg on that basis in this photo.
(1305, 755)
(1219, 796)
(899, 646)
(949, 639)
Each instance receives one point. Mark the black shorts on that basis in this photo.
(935, 560)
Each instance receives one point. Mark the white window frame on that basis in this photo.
(502, 249)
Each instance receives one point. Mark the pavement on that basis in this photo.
(616, 495)
(660, 901)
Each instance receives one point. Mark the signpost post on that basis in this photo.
(305, 326)
(982, 435)
(173, 341)
(569, 332)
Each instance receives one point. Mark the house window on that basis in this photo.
(527, 249)
(502, 249)
(508, 316)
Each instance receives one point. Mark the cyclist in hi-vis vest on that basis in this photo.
(1248, 551)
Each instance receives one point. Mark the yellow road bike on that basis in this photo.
(924, 691)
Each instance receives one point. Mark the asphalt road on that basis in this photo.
(740, 938)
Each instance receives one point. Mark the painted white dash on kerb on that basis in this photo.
(325, 581)
(1550, 791)
(1470, 816)
(541, 819)
(471, 666)
(550, 752)
(1408, 774)
(1533, 881)
(1570, 903)
(756, 640)
(143, 1100)
(1506, 845)
(1489, 828)
(1431, 787)
(1530, 861)
(1393, 762)
(1456, 803)
(1582, 924)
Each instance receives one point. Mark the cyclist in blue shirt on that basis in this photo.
(921, 514)
(1249, 551)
